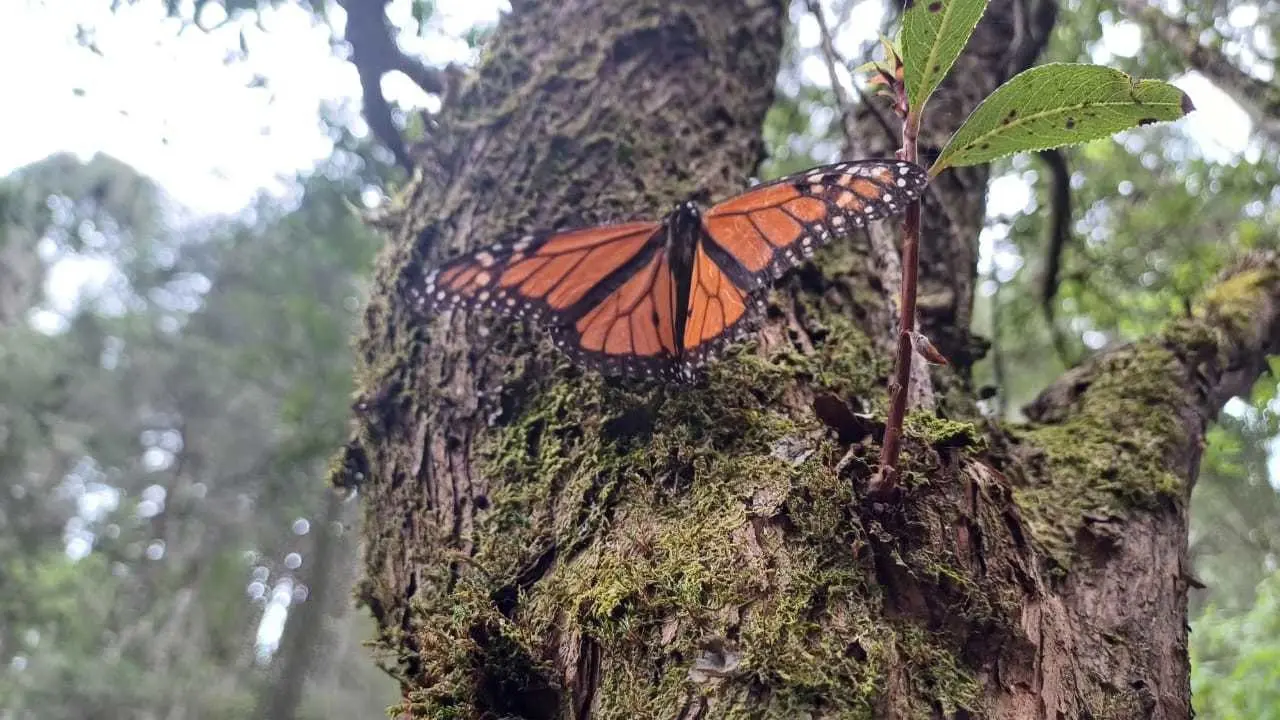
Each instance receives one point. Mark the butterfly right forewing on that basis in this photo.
(773, 227)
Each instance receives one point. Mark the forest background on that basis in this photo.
(182, 268)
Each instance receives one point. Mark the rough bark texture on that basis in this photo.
(545, 544)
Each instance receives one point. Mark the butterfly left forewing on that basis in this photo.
(538, 275)
(775, 226)
(604, 292)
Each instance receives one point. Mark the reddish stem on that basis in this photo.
(885, 481)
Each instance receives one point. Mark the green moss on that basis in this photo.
(936, 673)
(1225, 315)
(1117, 703)
(1111, 454)
(661, 515)
(807, 633)
(939, 432)
(1234, 301)
(843, 363)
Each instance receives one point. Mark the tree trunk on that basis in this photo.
(542, 543)
(306, 635)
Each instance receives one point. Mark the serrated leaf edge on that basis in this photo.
(936, 169)
(1044, 113)
(933, 52)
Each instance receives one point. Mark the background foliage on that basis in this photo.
(162, 439)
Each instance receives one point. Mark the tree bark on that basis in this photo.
(541, 543)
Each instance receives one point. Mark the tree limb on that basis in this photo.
(1223, 345)
(374, 53)
(1102, 478)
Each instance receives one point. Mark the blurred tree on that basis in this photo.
(162, 448)
(1235, 542)
(1237, 658)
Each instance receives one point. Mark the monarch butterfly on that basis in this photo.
(658, 299)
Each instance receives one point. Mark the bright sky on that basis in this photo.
(169, 104)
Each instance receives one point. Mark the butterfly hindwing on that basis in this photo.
(775, 226)
(720, 309)
(627, 326)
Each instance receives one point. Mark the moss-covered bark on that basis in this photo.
(545, 544)
(1102, 478)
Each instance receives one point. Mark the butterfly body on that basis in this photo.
(683, 232)
(658, 299)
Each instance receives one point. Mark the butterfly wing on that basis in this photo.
(609, 293)
(606, 292)
(775, 226)
(628, 325)
(537, 275)
(721, 308)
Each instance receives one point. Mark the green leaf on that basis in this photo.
(934, 32)
(1059, 104)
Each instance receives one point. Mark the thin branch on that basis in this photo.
(833, 58)
(374, 53)
(1259, 99)
(900, 385)
(998, 366)
(1057, 236)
